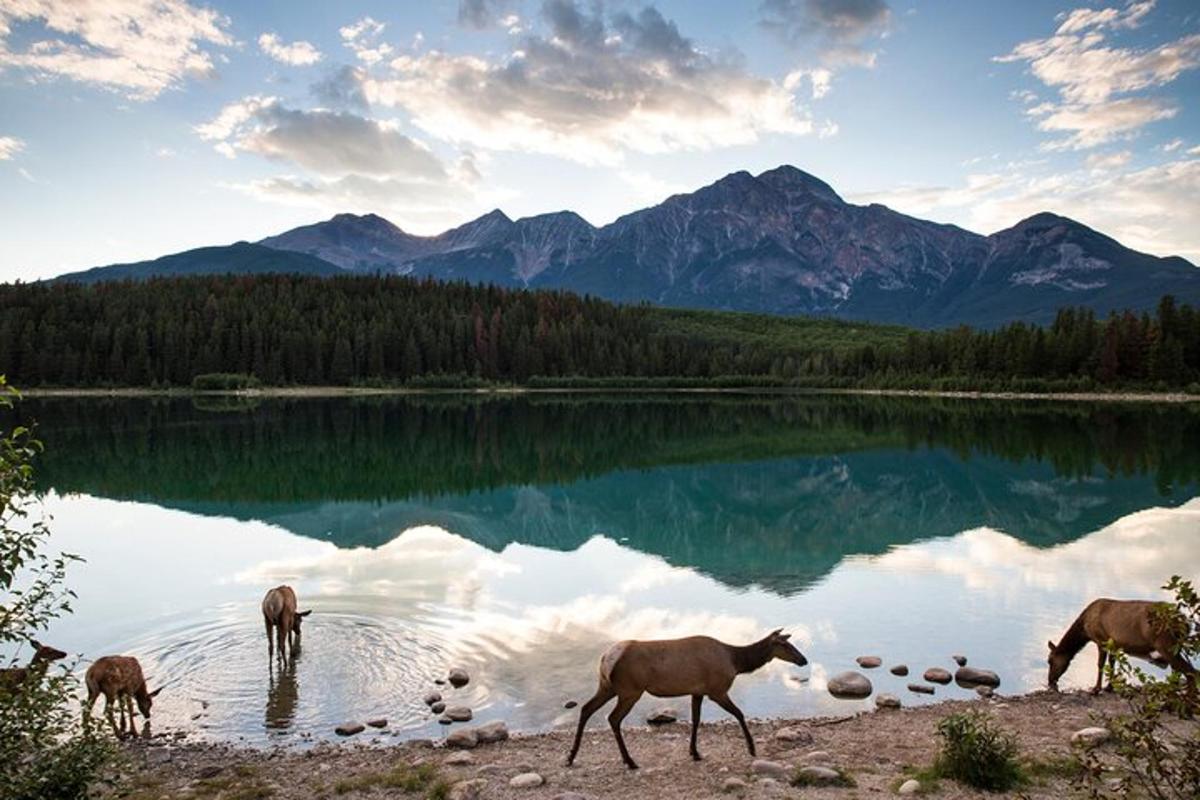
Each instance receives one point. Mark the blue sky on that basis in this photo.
(134, 128)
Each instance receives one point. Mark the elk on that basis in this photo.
(279, 612)
(1131, 625)
(13, 678)
(698, 666)
(118, 678)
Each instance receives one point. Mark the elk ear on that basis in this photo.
(304, 613)
(775, 633)
(1050, 645)
(783, 637)
(156, 691)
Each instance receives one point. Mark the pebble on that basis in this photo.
(794, 735)
(459, 713)
(910, 786)
(960, 660)
(459, 759)
(438, 707)
(526, 780)
(733, 785)
(869, 662)
(662, 716)
(850, 684)
(431, 698)
(463, 739)
(920, 688)
(458, 677)
(971, 676)
(468, 790)
(938, 675)
(570, 704)
(770, 769)
(1090, 736)
(900, 669)
(984, 691)
(377, 723)
(444, 720)
(887, 701)
(440, 681)
(816, 757)
(819, 775)
(349, 728)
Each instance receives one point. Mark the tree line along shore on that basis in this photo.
(238, 332)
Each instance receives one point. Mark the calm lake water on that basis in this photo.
(518, 537)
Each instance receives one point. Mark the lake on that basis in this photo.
(518, 537)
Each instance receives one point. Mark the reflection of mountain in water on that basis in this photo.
(767, 491)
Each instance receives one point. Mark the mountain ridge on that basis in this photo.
(780, 242)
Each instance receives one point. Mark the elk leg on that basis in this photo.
(1099, 668)
(108, 713)
(88, 705)
(281, 641)
(1182, 665)
(602, 696)
(724, 702)
(697, 699)
(270, 641)
(624, 704)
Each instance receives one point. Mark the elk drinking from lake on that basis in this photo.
(1131, 625)
(118, 678)
(279, 613)
(698, 666)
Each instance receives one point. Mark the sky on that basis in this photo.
(134, 128)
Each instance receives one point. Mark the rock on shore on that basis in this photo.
(850, 685)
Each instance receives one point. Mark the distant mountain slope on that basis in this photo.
(782, 242)
(241, 258)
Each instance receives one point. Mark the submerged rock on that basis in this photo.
(900, 669)
(431, 697)
(973, 676)
(960, 660)
(459, 714)
(887, 701)
(438, 707)
(570, 704)
(458, 677)
(663, 716)
(921, 688)
(349, 728)
(850, 685)
(377, 723)
(938, 675)
(869, 662)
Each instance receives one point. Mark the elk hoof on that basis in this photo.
(697, 757)
(631, 765)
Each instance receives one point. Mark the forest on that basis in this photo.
(282, 330)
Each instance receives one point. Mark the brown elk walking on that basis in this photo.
(13, 678)
(698, 666)
(118, 678)
(279, 612)
(1131, 626)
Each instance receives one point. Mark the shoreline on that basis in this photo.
(878, 750)
(324, 392)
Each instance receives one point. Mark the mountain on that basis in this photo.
(242, 258)
(782, 242)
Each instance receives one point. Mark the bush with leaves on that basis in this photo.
(977, 752)
(1155, 742)
(45, 752)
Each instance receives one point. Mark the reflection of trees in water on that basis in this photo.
(289, 451)
(282, 692)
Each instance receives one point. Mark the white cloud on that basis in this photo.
(1172, 146)
(1094, 80)
(362, 38)
(1153, 209)
(139, 47)
(10, 146)
(298, 54)
(841, 30)
(590, 89)
(1102, 162)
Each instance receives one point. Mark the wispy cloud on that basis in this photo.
(1096, 82)
(362, 37)
(138, 47)
(10, 146)
(297, 54)
(590, 88)
(843, 32)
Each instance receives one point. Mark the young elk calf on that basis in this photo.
(279, 611)
(698, 666)
(118, 678)
(14, 678)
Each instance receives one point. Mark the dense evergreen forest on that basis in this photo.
(371, 330)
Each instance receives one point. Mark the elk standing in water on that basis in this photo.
(698, 666)
(279, 611)
(118, 678)
(13, 678)
(1132, 627)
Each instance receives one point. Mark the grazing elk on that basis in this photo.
(118, 678)
(279, 612)
(13, 678)
(1131, 625)
(698, 666)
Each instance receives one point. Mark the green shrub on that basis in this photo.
(44, 750)
(977, 752)
(223, 382)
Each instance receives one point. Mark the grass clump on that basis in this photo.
(420, 779)
(805, 776)
(975, 751)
